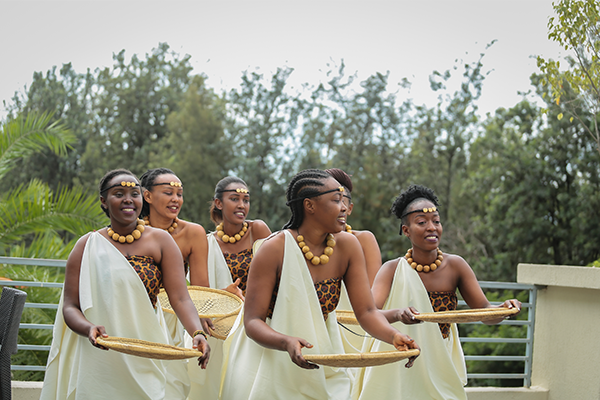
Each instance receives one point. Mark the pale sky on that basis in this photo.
(408, 38)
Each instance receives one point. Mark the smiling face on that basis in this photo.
(424, 229)
(329, 208)
(124, 203)
(163, 198)
(235, 205)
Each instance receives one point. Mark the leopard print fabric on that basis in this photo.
(328, 293)
(443, 301)
(238, 264)
(150, 274)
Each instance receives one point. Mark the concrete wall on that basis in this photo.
(566, 347)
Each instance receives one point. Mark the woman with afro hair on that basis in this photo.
(425, 279)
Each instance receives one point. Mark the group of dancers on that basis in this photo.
(291, 282)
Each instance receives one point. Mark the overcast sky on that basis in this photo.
(408, 38)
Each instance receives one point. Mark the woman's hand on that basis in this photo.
(94, 332)
(206, 324)
(512, 303)
(201, 344)
(407, 315)
(234, 288)
(403, 342)
(294, 348)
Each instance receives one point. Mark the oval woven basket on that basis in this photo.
(346, 317)
(223, 326)
(471, 315)
(352, 360)
(144, 348)
(210, 303)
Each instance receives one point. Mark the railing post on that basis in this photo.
(530, 327)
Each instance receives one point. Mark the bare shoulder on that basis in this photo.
(366, 238)
(390, 265)
(259, 228)
(81, 242)
(344, 238)
(194, 228)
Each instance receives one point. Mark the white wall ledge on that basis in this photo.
(559, 275)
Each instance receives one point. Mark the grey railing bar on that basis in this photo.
(36, 326)
(28, 368)
(40, 262)
(36, 347)
(495, 358)
(32, 284)
(42, 305)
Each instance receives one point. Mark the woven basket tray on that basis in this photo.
(360, 359)
(143, 348)
(346, 317)
(210, 303)
(222, 326)
(472, 315)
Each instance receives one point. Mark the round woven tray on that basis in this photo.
(352, 360)
(210, 303)
(223, 326)
(346, 317)
(475, 314)
(143, 348)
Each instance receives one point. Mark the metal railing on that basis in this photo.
(528, 306)
(528, 340)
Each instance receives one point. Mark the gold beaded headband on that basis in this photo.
(337, 189)
(425, 210)
(238, 190)
(173, 184)
(122, 184)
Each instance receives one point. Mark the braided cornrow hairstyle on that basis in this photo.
(411, 195)
(216, 215)
(103, 185)
(304, 185)
(147, 180)
(343, 178)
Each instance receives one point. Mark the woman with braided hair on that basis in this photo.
(293, 290)
(425, 279)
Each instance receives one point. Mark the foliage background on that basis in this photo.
(518, 185)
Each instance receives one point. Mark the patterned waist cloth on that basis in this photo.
(443, 301)
(328, 292)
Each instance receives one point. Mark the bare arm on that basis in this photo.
(176, 288)
(370, 247)
(471, 291)
(72, 313)
(264, 273)
(369, 317)
(198, 256)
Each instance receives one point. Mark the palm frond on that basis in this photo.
(33, 208)
(24, 136)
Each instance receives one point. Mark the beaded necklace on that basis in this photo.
(169, 229)
(136, 234)
(316, 260)
(424, 268)
(231, 239)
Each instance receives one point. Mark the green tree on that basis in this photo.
(195, 148)
(261, 119)
(36, 221)
(576, 27)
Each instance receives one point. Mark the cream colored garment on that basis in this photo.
(205, 383)
(255, 372)
(438, 373)
(110, 294)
